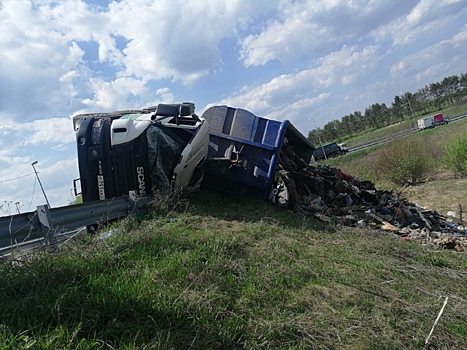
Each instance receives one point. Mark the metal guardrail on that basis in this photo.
(457, 116)
(47, 224)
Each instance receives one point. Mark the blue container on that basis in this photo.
(253, 144)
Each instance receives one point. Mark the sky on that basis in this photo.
(307, 61)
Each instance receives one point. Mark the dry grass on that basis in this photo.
(443, 195)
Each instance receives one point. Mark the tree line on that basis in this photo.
(432, 97)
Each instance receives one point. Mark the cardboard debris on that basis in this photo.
(326, 192)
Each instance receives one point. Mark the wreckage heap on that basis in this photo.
(333, 196)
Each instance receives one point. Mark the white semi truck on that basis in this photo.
(431, 121)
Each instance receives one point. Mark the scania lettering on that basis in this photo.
(142, 184)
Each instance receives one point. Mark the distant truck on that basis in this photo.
(329, 150)
(431, 121)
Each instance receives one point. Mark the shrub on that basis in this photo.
(456, 155)
(404, 162)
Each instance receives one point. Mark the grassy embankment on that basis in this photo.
(234, 274)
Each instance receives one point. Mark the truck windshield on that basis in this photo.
(164, 149)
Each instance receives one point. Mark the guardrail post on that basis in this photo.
(43, 212)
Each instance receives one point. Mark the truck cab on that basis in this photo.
(343, 147)
(160, 148)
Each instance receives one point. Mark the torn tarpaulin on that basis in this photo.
(163, 152)
(326, 192)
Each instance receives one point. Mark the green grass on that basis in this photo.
(409, 123)
(233, 273)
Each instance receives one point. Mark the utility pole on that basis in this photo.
(319, 138)
(410, 107)
(40, 183)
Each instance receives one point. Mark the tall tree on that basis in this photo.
(463, 82)
(407, 101)
(450, 86)
(436, 91)
(397, 109)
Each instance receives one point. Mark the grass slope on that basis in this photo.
(234, 273)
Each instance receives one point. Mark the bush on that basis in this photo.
(404, 162)
(456, 155)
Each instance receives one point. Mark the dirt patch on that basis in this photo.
(442, 195)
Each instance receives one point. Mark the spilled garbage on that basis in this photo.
(333, 196)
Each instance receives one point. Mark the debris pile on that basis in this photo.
(333, 196)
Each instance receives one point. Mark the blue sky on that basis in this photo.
(305, 61)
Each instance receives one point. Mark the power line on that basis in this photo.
(16, 178)
(32, 196)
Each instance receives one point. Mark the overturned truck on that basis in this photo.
(169, 148)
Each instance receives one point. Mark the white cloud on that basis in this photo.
(422, 23)
(436, 61)
(116, 94)
(173, 39)
(312, 28)
(347, 65)
(51, 130)
(14, 135)
(300, 109)
(176, 41)
(342, 67)
(34, 68)
(137, 42)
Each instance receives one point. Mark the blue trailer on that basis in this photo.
(253, 145)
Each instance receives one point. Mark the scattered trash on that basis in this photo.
(326, 192)
(107, 234)
(427, 340)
